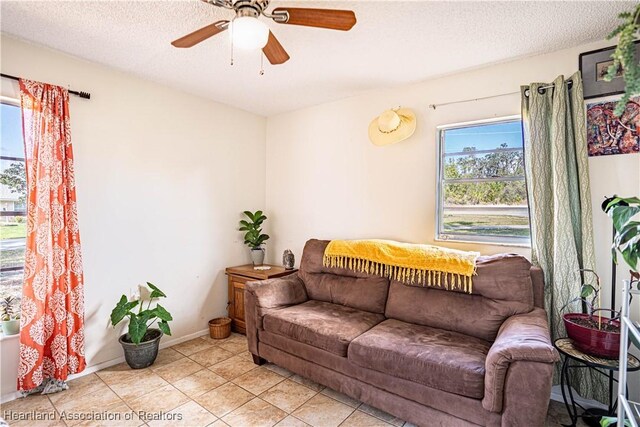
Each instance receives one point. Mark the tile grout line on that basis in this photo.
(54, 408)
(347, 417)
(60, 414)
(168, 383)
(114, 392)
(262, 399)
(207, 368)
(191, 398)
(303, 403)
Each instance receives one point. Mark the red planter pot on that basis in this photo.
(593, 341)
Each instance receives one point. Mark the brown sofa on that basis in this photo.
(429, 356)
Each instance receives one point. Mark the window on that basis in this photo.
(481, 188)
(13, 187)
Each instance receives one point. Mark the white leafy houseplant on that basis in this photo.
(141, 320)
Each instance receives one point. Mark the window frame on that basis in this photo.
(440, 234)
(16, 103)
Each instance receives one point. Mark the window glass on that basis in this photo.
(13, 226)
(482, 194)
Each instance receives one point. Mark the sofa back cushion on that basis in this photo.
(501, 288)
(339, 285)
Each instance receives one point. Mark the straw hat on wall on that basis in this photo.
(392, 126)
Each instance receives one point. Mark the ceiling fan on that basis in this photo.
(248, 32)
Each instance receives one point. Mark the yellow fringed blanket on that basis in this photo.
(408, 263)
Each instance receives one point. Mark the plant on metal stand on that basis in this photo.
(591, 332)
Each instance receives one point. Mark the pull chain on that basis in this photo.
(261, 63)
(231, 44)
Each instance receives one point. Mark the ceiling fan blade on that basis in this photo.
(201, 34)
(274, 51)
(323, 18)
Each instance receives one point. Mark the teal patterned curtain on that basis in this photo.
(557, 174)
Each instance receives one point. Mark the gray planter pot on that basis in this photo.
(10, 327)
(257, 256)
(144, 354)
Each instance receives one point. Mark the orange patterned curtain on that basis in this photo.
(52, 320)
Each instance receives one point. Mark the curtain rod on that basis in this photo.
(541, 90)
(81, 94)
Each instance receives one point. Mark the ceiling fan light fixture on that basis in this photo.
(248, 32)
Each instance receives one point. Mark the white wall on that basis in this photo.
(326, 180)
(162, 177)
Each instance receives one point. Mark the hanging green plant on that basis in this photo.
(624, 57)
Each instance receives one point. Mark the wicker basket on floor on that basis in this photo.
(220, 328)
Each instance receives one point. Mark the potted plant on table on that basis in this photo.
(141, 342)
(253, 236)
(10, 315)
(591, 332)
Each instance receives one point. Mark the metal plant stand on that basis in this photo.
(628, 411)
(576, 359)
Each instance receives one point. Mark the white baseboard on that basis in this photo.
(102, 365)
(556, 394)
(9, 397)
(183, 338)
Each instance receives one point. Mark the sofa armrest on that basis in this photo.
(521, 338)
(262, 296)
(280, 292)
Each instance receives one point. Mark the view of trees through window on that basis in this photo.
(483, 194)
(13, 186)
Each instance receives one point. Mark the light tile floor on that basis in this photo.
(204, 382)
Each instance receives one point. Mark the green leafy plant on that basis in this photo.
(9, 309)
(588, 290)
(253, 236)
(590, 298)
(624, 57)
(627, 237)
(143, 319)
(626, 240)
(609, 421)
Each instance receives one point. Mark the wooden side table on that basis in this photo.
(240, 275)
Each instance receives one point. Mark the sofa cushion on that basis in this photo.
(461, 406)
(339, 285)
(445, 360)
(330, 327)
(501, 288)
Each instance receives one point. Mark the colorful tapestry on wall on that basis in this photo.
(608, 134)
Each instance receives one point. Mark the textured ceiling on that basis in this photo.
(394, 42)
